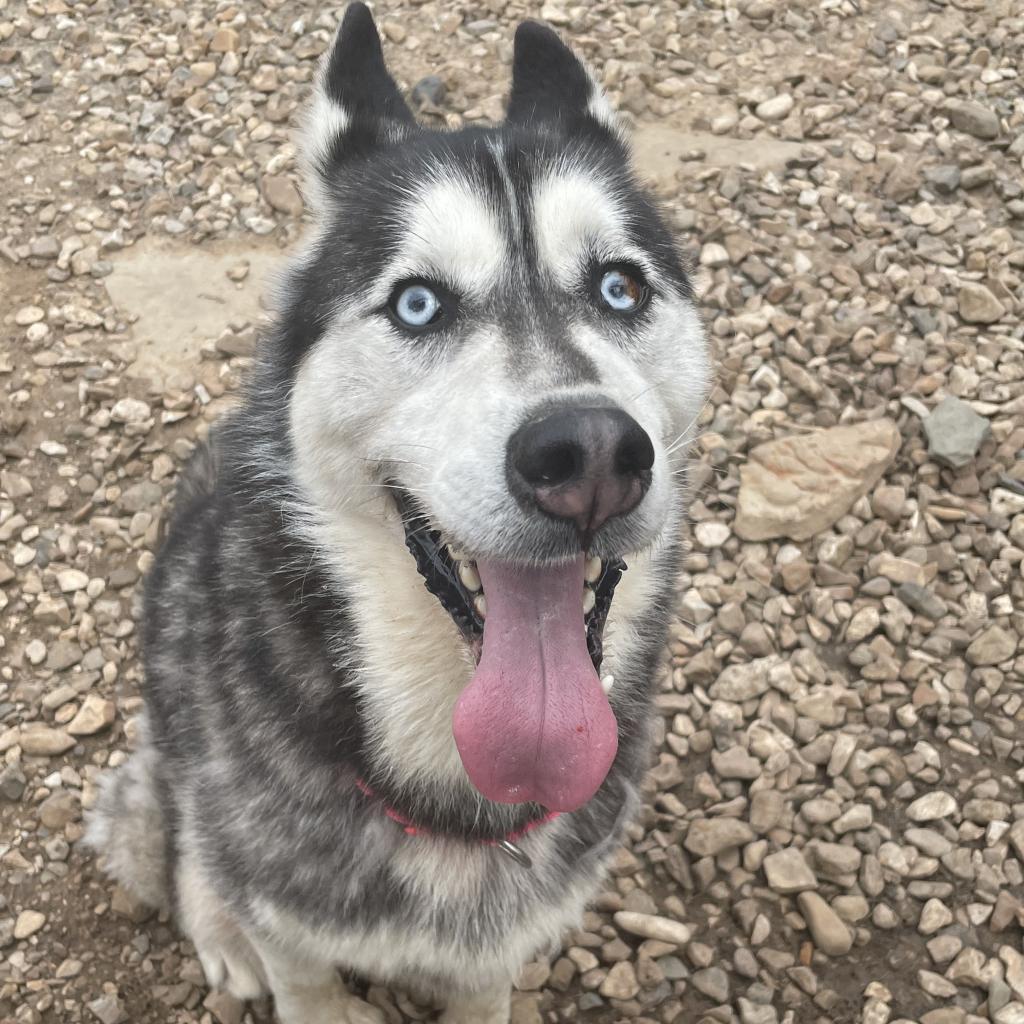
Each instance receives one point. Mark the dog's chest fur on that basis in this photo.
(260, 752)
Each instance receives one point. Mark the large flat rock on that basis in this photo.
(798, 486)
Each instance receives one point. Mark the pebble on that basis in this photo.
(95, 714)
(776, 108)
(787, 872)
(975, 119)
(830, 935)
(955, 432)
(28, 923)
(708, 837)
(992, 646)
(42, 741)
(621, 982)
(650, 926)
(28, 315)
(978, 305)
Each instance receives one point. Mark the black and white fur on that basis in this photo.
(290, 644)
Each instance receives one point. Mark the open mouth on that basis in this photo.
(534, 723)
(453, 578)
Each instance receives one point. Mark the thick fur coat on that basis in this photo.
(300, 678)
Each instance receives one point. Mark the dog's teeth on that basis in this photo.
(480, 604)
(457, 555)
(607, 683)
(469, 577)
(589, 600)
(593, 570)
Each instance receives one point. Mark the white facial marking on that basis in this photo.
(453, 233)
(577, 218)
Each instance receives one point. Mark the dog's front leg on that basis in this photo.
(313, 993)
(490, 1007)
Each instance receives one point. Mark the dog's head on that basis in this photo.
(493, 330)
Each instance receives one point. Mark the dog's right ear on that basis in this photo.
(355, 101)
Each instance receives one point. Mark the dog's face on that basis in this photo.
(497, 333)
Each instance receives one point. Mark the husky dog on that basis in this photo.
(398, 675)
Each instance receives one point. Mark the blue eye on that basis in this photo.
(623, 291)
(417, 305)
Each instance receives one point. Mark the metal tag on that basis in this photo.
(515, 853)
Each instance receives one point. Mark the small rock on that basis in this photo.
(28, 923)
(429, 93)
(955, 432)
(934, 915)
(992, 646)
(830, 935)
(224, 40)
(59, 809)
(282, 195)
(708, 837)
(776, 108)
(42, 741)
(973, 118)
(932, 807)
(650, 926)
(787, 872)
(921, 600)
(72, 580)
(714, 983)
(712, 535)
(28, 315)
(130, 410)
(978, 305)
(95, 714)
(621, 982)
(108, 1009)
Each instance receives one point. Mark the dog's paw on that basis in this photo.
(235, 969)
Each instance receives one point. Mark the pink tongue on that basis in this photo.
(534, 724)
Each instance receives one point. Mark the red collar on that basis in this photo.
(507, 844)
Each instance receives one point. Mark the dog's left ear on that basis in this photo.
(355, 102)
(550, 83)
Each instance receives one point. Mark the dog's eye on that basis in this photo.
(416, 305)
(623, 289)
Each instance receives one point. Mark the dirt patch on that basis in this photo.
(183, 298)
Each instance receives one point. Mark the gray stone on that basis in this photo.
(921, 600)
(992, 646)
(955, 432)
(787, 872)
(429, 93)
(978, 305)
(708, 837)
(973, 118)
(713, 982)
(931, 807)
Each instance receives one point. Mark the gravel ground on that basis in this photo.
(834, 829)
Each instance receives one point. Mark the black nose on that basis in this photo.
(585, 464)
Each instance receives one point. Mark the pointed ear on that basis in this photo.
(355, 101)
(550, 84)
